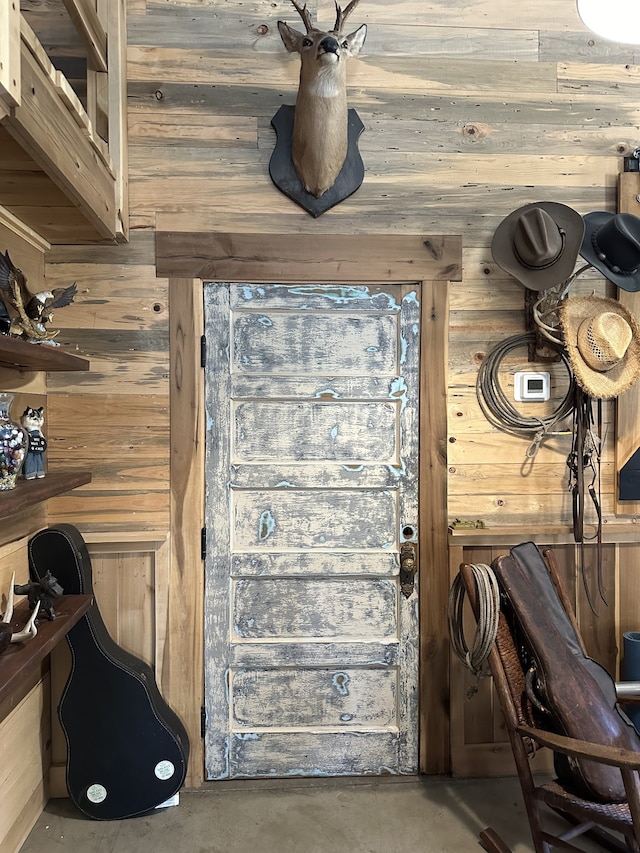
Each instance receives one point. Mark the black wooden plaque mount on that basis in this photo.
(283, 173)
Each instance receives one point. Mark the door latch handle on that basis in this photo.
(408, 568)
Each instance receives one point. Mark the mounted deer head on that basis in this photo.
(319, 145)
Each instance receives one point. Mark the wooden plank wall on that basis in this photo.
(25, 717)
(470, 110)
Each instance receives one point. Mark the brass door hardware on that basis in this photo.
(408, 568)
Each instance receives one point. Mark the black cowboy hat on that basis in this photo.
(539, 243)
(612, 245)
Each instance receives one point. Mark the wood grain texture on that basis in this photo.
(469, 112)
(434, 682)
(224, 256)
(183, 666)
(24, 784)
(49, 134)
(20, 661)
(628, 404)
(310, 338)
(119, 320)
(10, 51)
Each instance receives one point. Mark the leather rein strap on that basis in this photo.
(584, 460)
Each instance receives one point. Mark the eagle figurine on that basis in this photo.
(33, 310)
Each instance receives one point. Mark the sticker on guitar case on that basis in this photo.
(96, 793)
(164, 770)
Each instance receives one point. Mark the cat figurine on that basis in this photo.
(33, 420)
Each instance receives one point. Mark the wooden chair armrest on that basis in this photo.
(613, 755)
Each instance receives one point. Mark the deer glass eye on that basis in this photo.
(306, 42)
(345, 43)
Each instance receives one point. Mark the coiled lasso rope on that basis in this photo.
(499, 411)
(488, 595)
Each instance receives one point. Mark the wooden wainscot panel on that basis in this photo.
(25, 746)
(25, 728)
(479, 741)
(130, 581)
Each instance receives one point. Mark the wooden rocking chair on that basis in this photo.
(593, 819)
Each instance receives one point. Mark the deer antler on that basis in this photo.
(305, 14)
(341, 16)
(8, 614)
(30, 630)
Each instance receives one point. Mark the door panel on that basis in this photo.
(345, 432)
(309, 753)
(313, 609)
(310, 646)
(294, 519)
(344, 699)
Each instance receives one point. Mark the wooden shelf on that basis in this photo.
(28, 493)
(63, 164)
(19, 660)
(546, 534)
(21, 355)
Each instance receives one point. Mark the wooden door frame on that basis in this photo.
(189, 258)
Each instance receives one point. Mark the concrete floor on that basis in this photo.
(405, 815)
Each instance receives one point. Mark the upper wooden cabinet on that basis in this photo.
(63, 164)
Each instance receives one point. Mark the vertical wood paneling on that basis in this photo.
(628, 592)
(25, 744)
(125, 583)
(25, 727)
(598, 625)
(628, 405)
(125, 578)
(434, 650)
(463, 124)
(182, 657)
(113, 420)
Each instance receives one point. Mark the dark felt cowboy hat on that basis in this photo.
(539, 243)
(612, 245)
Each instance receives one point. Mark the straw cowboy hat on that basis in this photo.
(539, 243)
(612, 245)
(603, 342)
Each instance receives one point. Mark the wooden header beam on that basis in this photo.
(318, 257)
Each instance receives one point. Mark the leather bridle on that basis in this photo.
(584, 481)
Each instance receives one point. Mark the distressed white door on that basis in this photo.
(311, 647)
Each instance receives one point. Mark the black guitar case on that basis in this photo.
(127, 751)
(577, 693)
